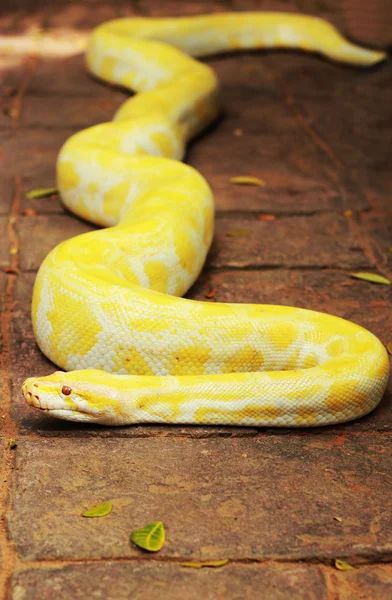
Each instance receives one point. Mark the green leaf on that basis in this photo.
(373, 277)
(245, 180)
(151, 537)
(99, 511)
(11, 443)
(342, 565)
(41, 193)
(207, 563)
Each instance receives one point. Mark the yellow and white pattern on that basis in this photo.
(106, 304)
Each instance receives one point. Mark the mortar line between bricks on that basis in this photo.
(360, 236)
(221, 214)
(319, 142)
(250, 215)
(250, 433)
(9, 428)
(9, 554)
(366, 247)
(283, 267)
(17, 103)
(326, 561)
(137, 6)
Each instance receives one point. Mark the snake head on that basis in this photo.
(74, 396)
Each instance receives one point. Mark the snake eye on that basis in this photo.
(66, 390)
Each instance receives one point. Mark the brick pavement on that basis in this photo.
(319, 135)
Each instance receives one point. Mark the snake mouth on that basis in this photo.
(41, 402)
(30, 392)
(35, 402)
(65, 414)
(53, 403)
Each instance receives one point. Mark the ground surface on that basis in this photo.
(267, 500)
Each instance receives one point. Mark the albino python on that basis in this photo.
(106, 304)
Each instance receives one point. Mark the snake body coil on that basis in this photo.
(106, 304)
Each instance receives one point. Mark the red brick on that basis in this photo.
(377, 235)
(76, 15)
(40, 234)
(7, 190)
(120, 581)
(31, 155)
(113, 580)
(76, 112)
(373, 582)
(73, 79)
(266, 497)
(7, 162)
(308, 241)
(4, 243)
(279, 144)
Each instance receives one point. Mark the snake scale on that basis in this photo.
(107, 304)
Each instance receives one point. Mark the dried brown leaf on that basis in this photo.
(210, 293)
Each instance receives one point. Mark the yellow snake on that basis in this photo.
(107, 305)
